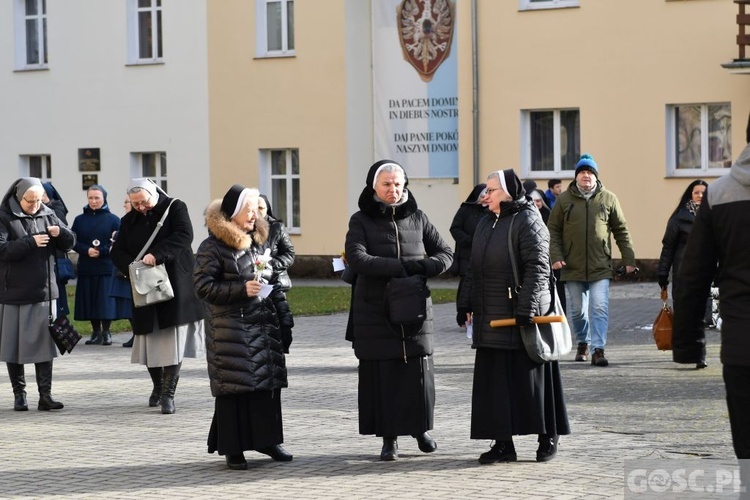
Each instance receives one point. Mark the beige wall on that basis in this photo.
(295, 102)
(621, 63)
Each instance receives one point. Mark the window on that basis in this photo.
(31, 34)
(279, 174)
(547, 4)
(37, 166)
(144, 31)
(551, 140)
(151, 165)
(275, 28)
(700, 138)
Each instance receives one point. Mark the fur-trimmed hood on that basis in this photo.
(231, 235)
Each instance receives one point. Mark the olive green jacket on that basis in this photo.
(580, 234)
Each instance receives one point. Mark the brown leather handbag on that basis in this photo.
(663, 325)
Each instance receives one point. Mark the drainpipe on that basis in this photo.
(475, 92)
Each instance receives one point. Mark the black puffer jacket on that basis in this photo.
(25, 267)
(282, 250)
(379, 238)
(490, 278)
(463, 226)
(243, 343)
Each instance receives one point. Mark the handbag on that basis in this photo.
(63, 333)
(150, 284)
(406, 300)
(65, 269)
(663, 324)
(543, 341)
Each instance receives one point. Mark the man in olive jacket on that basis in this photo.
(580, 225)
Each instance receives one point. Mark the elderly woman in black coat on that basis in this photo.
(245, 355)
(390, 237)
(512, 395)
(167, 332)
(30, 234)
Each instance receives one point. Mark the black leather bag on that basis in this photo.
(406, 300)
(64, 334)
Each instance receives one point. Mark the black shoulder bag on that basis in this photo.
(62, 331)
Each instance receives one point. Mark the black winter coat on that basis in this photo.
(243, 342)
(674, 243)
(25, 267)
(379, 238)
(490, 278)
(282, 253)
(172, 247)
(462, 229)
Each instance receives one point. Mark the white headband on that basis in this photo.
(380, 169)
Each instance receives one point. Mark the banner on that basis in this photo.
(415, 85)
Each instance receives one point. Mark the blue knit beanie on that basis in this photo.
(587, 163)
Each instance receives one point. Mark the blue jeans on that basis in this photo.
(590, 328)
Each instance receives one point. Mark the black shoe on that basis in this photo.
(276, 452)
(106, 338)
(129, 343)
(701, 364)
(502, 451)
(20, 404)
(96, 339)
(547, 448)
(426, 443)
(46, 403)
(237, 462)
(155, 398)
(390, 449)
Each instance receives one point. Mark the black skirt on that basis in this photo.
(396, 398)
(244, 422)
(513, 395)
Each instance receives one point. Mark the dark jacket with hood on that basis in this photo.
(717, 247)
(674, 243)
(243, 343)
(380, 239)
(463, 226)
(171, 247)
(25, 267)
(490, 280)
(94, 225)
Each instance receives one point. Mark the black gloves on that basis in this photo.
(524, 320)
(663, 280)
(461, 316)
(286, 338)
(413, 267)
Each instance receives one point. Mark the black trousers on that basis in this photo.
(737, 384)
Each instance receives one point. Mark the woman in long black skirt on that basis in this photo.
(390, 237)
(246, 363)
(512, 394)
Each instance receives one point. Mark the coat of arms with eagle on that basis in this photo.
(426, 33)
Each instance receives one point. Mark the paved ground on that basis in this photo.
(107, 443)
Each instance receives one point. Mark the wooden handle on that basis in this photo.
(497, 323)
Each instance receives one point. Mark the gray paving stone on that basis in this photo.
(107, 442)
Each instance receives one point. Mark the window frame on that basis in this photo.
(160, 167)
(671, 142)
(267, 177)
(526, 139)
(547, 4)
(45, 164)
(157, 27)
(21, 41)
(261, 30)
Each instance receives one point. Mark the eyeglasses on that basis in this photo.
(32, 202)
(489, 191)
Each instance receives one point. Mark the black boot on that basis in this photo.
(547, 447)
(156, 377)
(129, 343)
(390, 449)
(106, 338)
(502, 451)
(169, 385)
(18, 381)
(96, 338)
(44, 382)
